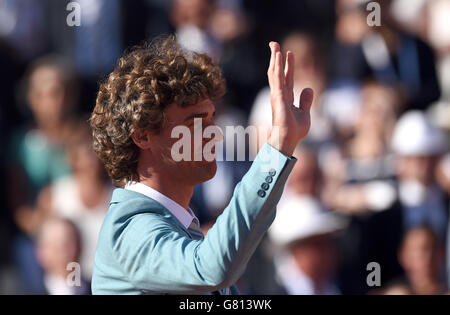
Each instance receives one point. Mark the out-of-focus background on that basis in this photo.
(366, 209)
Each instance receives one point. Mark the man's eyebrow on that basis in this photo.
(198, 115)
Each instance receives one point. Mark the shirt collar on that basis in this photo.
(185, 217)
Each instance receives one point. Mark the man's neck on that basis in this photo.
(164, 178)
(176, 191)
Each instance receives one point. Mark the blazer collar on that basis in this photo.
(185, 216)
(122, 195)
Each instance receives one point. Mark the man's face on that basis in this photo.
(193, 12)
(378, 109)
(47, 95)
(316, 256)
(191, 170)
(419, 255)
(57, 246)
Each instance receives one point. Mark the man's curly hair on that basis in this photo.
(135, 95)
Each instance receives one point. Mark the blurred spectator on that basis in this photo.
(420, 200)
(386, 53)
(359, 173)
(418, 146)
(422, 257)
(36, 154)
(98, 42)
(309, 257)
(191, 19)
(355, 167)
(437, 32)
(240, 53)
(306, 177)
(409, 15)
(58, 245)
(407, 60)
(348, 62)
(83, 197)
(228, 20)
(413, 200)
(437, 16)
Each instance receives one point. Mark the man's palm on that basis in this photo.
(290, 123)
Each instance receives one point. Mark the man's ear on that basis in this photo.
(142, 139)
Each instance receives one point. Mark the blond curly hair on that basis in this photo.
(135, 95)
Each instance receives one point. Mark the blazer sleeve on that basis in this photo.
(156, 258)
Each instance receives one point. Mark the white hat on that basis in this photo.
(415, 135)
(300, 217)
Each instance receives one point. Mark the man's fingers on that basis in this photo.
(272, 57)
(289, 70)
(274, 48)
(289, 77)
(278, 81)
(306, 99)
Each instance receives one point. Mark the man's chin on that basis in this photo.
(206, 170)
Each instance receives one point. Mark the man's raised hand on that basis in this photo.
(290, 124)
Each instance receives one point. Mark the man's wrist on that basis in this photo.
(283, 145)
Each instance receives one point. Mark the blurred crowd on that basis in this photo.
(372, 182)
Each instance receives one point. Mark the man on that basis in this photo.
(422, 256)
(307, 254)
(418, 146)
(59, 244)
(150, 241)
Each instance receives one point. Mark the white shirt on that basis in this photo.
(67, 203)
(295, 281)
(185, 216)
(57, 286)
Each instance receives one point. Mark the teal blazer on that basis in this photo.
(144, 249)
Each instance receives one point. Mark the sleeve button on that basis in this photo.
(272, 172)
(269, 179)
(261, 193)
(265, 186)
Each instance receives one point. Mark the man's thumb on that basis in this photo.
(306, 99)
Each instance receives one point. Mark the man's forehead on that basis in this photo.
(181, 115)
(204, 106)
